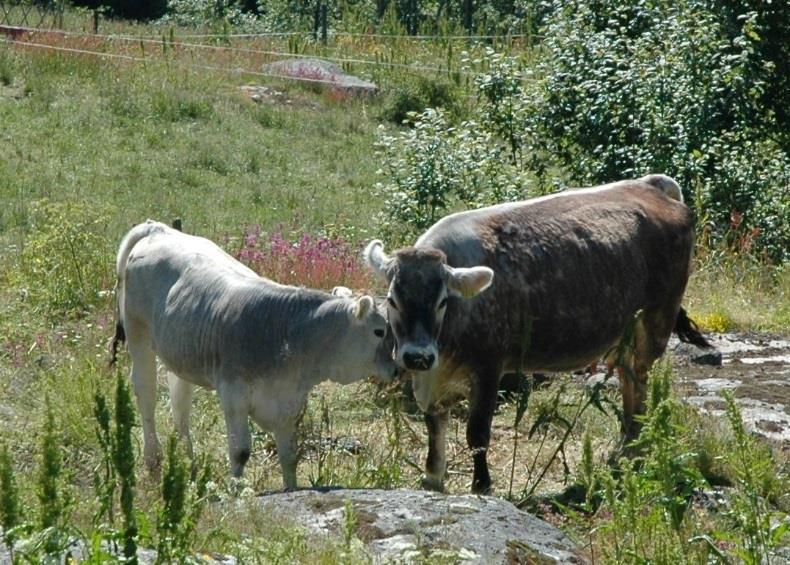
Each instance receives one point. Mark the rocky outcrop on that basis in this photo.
(406, 526)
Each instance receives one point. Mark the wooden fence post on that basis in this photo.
(323, 23)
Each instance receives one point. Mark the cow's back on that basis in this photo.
(570, 271)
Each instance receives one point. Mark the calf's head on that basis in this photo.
(420, 282)
(366, 342)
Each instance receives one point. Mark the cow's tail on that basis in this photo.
(688, 332)
(665, 184)
(131, 239)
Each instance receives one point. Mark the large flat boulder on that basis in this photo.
(323, 73)
(405, 526)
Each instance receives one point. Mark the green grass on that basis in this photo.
(151, 147)
(108, 144)
(729, 293)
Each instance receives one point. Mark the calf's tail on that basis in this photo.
(688, 332)
(120, 337)
(131, 239)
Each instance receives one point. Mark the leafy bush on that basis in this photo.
(627, 88)
(65, 262)
(132, 9)
(437, 167)
(633, 87)
(418, 94)
(199, 13)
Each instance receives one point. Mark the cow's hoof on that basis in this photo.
(482, 489)
(430, 483)
(153, 463)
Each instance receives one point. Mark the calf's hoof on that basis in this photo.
(431, 483)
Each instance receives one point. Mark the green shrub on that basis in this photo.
(65, 262)
(418, 94)
(633, 87)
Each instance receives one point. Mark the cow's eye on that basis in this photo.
(443, 303)
(392, 302)
(379, 333)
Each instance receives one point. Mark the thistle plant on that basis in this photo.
(51, 502)
(10, 516)
(761, 530)
(104, 474)
(173, 511)
(182, 506)
(124, 461)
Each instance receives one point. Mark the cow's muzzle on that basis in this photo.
(419, 361)
(418, 358)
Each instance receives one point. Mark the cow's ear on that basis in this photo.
(377, 260)
(342, 292)
(468, 282)
(363, 306)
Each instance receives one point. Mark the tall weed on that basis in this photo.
(648, 498)
(10, 511)
(65, 262)
(759, 529)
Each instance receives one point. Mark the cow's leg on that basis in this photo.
(287, 453)
(436, 463)
(478, 428)
(181, 405)
(651, 335)
(236, 409)
(144, 382)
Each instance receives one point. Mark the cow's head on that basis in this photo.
(367, 343)
(420, 282)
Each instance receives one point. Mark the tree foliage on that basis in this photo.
(638, 86)
(624, 88)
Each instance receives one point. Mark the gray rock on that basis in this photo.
(698, 355)
(608, 381)
(323, 73)
(405, 526)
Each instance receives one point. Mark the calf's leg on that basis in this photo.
(181, 406)
(287, 452)
(236, 410)
(144, 382)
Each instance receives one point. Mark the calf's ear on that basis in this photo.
(468, 282)
(376, 259)
(363, 306)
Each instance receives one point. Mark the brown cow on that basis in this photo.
(574, 271)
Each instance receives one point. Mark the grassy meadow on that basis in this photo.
(90, 147)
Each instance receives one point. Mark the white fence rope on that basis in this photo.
(133, 58)
(246, 50)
